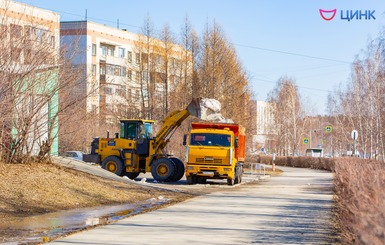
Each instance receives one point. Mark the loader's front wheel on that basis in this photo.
(163, 169)
(114, 165)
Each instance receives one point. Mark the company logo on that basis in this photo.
(348, 15)
(324, 13)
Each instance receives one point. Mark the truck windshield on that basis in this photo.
(211, 140)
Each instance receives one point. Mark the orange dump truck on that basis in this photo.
(215, 151)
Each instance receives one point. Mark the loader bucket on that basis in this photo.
(194, 108)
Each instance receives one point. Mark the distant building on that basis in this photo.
(262, 141)
(29, 47)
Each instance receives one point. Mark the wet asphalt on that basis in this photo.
(294, 208)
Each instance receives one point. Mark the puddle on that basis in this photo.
(45, 227)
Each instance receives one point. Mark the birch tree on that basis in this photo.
(361, 103)
(287, 115)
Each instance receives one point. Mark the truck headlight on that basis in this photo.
(190, 168)
(227, 169)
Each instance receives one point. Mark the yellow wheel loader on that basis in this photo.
(136, 150)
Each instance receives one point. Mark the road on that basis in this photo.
(294, 208)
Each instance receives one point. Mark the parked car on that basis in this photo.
(78, 155)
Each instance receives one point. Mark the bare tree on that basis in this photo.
(145, 47)
(361, 103)
(34, 74)
(287, 115)
(169, 65)
(221, 75)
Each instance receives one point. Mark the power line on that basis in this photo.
(92, 18)
(290, 53)
(300, 87)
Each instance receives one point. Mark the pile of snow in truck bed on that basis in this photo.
(211, 111)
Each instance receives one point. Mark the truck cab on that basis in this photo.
(213, 152)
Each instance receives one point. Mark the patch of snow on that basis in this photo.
(211, 111)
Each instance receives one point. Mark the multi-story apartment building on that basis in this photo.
(124, 74)
(29, 47)
(116, 66)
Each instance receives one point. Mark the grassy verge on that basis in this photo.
(28, 189)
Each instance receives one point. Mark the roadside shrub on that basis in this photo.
(360, 197)
(300, 162)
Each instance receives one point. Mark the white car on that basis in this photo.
(78, 155)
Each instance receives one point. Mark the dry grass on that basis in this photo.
(28, 189)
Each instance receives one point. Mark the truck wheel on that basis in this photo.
(192, 179)
(201, 180)
(114, 165)
(230, 181)
(236, 180)
(179, 169)
(132, 175)
(162, 169)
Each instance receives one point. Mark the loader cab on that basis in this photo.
(138, 130)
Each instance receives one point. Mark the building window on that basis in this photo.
(123, 71)
(111, 51)
(28, 32)
(121, 91)
(145, 76)
(93, 70)
(129, 75)
(129, 56)
(104, 51)
(16, 32)
(121, 52)
(38, 34)
(145, 92)
(137, 76)
(93, 49)
(102, 69)
(137, 58)
(117, 70)
(109, 69)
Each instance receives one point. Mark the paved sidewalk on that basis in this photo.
(294, 208)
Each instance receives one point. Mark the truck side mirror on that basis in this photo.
(236, 142)
(184, 139)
